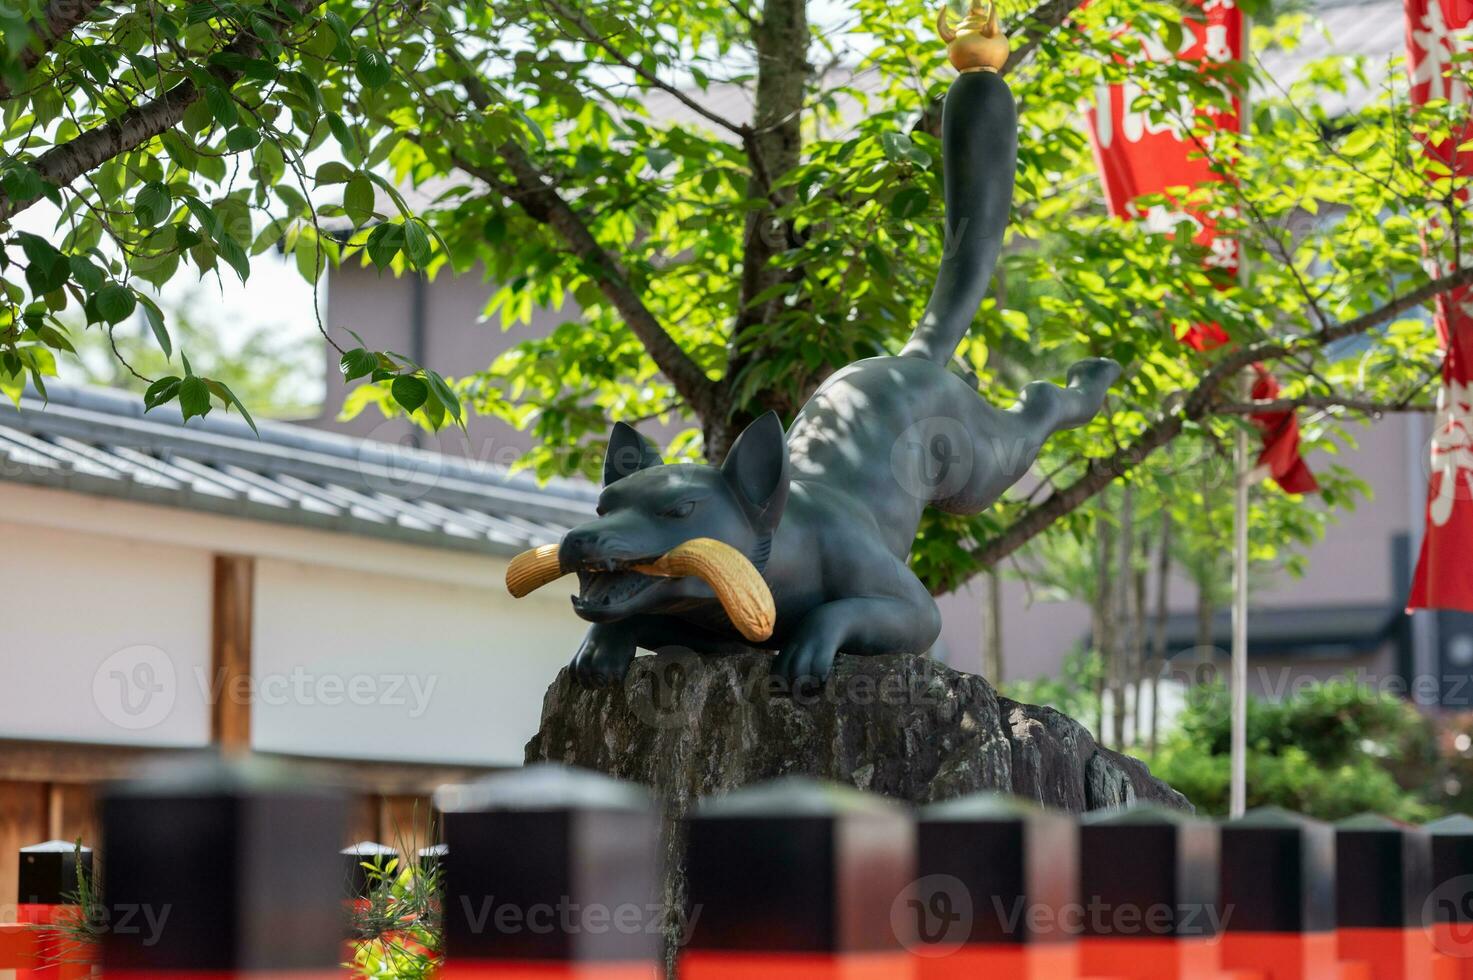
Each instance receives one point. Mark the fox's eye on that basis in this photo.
(682, 509)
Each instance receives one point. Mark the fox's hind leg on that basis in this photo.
(1050, 408)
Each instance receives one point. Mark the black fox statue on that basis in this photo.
(821, 518)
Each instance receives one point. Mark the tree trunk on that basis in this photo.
(774, 147)
(1138, 638)
(1120, 596)
(1163, 581)
(1103, 613)
(992, 628)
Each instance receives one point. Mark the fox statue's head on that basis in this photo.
(670, 538)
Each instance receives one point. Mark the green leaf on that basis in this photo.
(372, 68)
(358, 200)
(1359, 141)
(897, 146)
(494, 230)
(115, 303)
(54, 338)
(22, 183)
(197, 117)
(444, 394)
(152, 204)
(410, 392)
(307, 252)
(333, 172)
(48, 269)
(155, 319)
(659, 158)
(88, 276)
(416, 243)
(223, 392)
(194, 397)
(242, 138)
(231, 251)
(357, 362)
(222, 106)
(909, 201)
(161, 391)
(384, 243)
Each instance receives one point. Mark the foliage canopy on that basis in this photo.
(730, 199)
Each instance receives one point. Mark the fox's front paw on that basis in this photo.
(604, 657)
(805, 660)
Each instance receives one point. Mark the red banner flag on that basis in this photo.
(1139, 157)
(1437, 30)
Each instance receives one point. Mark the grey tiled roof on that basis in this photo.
(100, 442)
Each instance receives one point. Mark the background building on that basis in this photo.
(301, 594)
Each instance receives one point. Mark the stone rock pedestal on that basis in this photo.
(905, 726)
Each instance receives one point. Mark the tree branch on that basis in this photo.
(1041, 21)
(1363, 405)
(62, 16)
(62, 164)
(781, 37)
(740, 129)
(1199, 403)
(539, 199)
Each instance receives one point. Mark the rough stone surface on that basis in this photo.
(905, 726)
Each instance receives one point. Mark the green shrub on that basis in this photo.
(1329, 750)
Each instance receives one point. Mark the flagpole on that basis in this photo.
(1238, 786)
(1238, 751)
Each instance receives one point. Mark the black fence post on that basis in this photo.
(1278, 895)
(997, 891)
(221, 869)
(49, 878)
(1381, 890)
(1450, 906)
(366, 865)
(796, 878)
(52, 878)
(1148, 884)
(555, 870)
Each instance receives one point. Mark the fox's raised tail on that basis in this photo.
(979, 140)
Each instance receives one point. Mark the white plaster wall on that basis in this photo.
(102, 638)
(94, 576)
(380, 667)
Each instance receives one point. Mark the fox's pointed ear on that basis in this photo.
(629, 452)
(757, 469)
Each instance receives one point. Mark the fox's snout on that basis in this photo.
(584, 545)
(614, 540)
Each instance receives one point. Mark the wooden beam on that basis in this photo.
(22, 823)
(230, 652)
(70, 813)
(27, 761)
